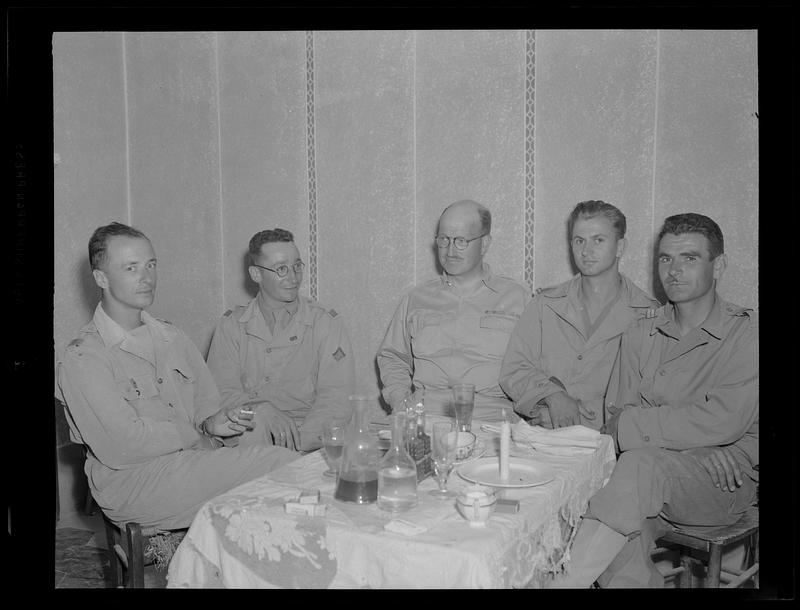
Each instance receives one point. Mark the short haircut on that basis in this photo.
(266, 237)
(484, 215)
(695, 223)
(590, 209)
(98, 243)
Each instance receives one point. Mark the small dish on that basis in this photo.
(476, 503)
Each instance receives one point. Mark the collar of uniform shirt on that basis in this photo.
(112, 333)
(488, 278)
(713, 324)
(275, 315)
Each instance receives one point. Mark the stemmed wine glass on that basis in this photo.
(332, 445)
(443, 453)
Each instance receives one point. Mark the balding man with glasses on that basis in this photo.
(454, 328)
(283, 355)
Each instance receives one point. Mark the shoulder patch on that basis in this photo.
(332, 313)
(338, 354)
(227, 313)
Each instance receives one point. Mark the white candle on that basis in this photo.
(505, 440)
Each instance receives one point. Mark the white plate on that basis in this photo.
(521, 473)
(478, 451)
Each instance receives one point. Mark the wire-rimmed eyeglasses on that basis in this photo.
(461, 243)
(283, 270)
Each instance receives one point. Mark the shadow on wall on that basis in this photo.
(247, 283)
(89, 290)
(658, 289)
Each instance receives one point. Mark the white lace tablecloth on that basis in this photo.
(244, 538)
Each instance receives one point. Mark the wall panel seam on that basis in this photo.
(530, 137)
(219, 172)
(414, 146)
(311, 167)
(128, 205)
(655, 136)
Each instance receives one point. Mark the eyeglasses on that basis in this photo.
(461, 243)
(283, 270)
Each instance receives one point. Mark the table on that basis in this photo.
(244, 539)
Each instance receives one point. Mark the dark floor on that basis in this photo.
(82, 560)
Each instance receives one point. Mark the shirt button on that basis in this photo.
(160, 380)
(269, 350)
(266, 379)
(580, 356)
(662, 372)
(647, 439)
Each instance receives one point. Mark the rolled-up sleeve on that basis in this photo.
(112, 429)
(395, 358)
(522, 376)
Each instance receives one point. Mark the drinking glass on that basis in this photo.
(443, 453)
(332, 444)
(463, 405)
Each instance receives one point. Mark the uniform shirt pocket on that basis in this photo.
(183, 374)
(140, 387)
(495, 321)
(426, 332)
(495, 330)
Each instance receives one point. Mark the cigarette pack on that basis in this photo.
(507, 506)
(311, 510)
(401, 526)
(309, 496)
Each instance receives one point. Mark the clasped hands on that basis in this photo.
(566, 410)
(719, 462)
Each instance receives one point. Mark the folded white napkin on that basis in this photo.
(572, 440)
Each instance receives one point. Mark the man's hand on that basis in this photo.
(229, 422)
(563, 410)
(279, 426)
(721, 466)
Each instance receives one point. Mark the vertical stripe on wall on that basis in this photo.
(530, 78)
(312, 169)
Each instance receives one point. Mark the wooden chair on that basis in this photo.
(127, 547)
(705, 545)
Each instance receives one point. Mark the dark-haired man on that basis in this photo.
(283, 355)
(686, 421)
(562, 351)
(139, 396)
(454, 328)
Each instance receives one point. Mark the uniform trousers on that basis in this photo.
(650, 490)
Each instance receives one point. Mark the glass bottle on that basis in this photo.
(419, 441)
(397, 474)
(358, 473)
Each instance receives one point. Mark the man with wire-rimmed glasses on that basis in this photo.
(454, 328)
(285, 356)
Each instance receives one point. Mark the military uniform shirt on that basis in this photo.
(306, 369)
(550, 341)
(438, 338)
(700, 390)
(136, 400)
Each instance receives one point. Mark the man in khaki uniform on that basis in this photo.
(283, 355)
(139, 396)
(454, 328)
(561, 353)
(686, 421)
